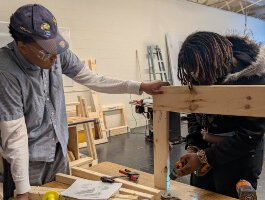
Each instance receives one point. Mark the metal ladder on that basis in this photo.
(152, 53)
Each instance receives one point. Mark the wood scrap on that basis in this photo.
(70, 179)
(91, 175)
(71, 156)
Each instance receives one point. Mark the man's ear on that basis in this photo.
(22, 48)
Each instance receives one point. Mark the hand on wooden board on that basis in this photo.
(153, 87)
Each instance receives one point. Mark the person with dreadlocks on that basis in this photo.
(230, 146)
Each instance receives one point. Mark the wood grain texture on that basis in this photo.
(240, 100)
(161, 148)
(181, 190)
(92, 175)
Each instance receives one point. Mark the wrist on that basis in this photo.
(202, 157)
(142, 86)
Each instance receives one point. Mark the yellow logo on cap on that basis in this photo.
(62, 44)
(45, 26)
(54, 21)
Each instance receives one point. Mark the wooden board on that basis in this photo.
(119, 130)
(240, 100)
(183, 191)
(88, 130)
(81, 161)
(91, 63)
(71, 156)
(161, 147)
(73, 142)
(91, 175)
(36, 193)
(246, 100)
(68, 180)
(123, 128)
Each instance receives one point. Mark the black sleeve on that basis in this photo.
(194, 137)
(248, 136)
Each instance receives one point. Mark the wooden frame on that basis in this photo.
(73, 150)
(96, 115)
(240, 100)
(123, 128)
(96, 107)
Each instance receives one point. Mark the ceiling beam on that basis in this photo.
(226, 4)
(241, 5)
(249, 6)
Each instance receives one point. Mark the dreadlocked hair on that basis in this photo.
(204, 58)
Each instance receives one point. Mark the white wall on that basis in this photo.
(112, 30)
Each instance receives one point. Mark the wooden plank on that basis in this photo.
(101, 141)
(88, 130)
(161, 148)
(65, 178)
(73, 142)
(91, 175)
(182, 191)
(81, 161)
(240, 100)
(123, 128)
(124, 197)
(72, 104)
(141, 195)
(112, 108)
(69, 180)
(118, 130)
(71, 156)
(36, 192)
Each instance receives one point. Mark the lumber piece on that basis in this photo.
(71, 156)
(239, 100)
(124, 197)
(161, 148)
(88, 130)
(91, 175)
(73, 142)
(81, 161)
(37, 192)
(69, 179)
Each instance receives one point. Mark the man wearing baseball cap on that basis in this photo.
(33, 125)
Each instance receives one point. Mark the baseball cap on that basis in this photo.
(38, 22)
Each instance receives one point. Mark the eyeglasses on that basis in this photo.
(41, 54)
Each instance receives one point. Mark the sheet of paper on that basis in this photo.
(91, 190)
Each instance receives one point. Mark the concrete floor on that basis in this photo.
(133, 151)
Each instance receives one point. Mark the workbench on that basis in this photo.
(181, 190)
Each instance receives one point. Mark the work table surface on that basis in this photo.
(181, 190)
